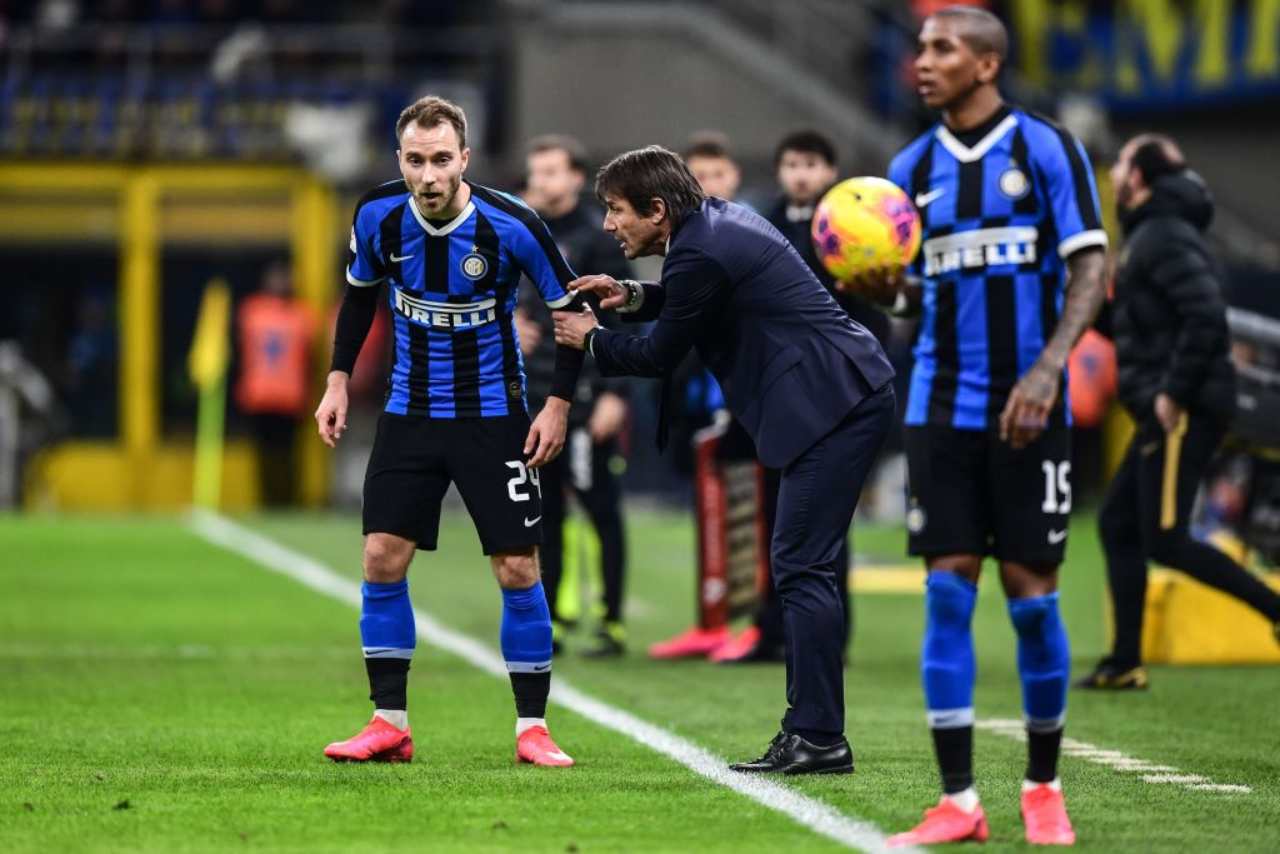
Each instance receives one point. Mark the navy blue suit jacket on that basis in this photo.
(791, 362)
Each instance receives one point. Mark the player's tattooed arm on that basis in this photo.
(1027, 411)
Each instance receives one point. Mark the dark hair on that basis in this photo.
(430, 111)
(649, 173)
(982, 30)
(560, 142)
(805, 142)
(708, 143)
(1156, 156)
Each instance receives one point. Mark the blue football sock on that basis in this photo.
(388, 635)
(526, 646)
(947, 660)
(948, 671)
(1044, 661)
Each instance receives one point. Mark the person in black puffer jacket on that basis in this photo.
(1168, 321)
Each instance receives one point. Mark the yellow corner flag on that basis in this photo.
(210, 346)
(207, 364)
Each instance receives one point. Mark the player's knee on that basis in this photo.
(1026, 581)
(386, 558)
(968, 567)
(516, 570)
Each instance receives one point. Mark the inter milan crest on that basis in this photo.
(474, 265)
(1014, 183)
(915, 518)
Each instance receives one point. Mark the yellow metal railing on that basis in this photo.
(145, 208)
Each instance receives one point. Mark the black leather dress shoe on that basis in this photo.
(788, 753)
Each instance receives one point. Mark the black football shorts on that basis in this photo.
(415, 459)
(969, 492)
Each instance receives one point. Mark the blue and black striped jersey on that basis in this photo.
(1000, 219)
(452, 289)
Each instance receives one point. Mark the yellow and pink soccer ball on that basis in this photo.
(863, 224)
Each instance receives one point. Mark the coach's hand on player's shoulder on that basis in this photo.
(331, 416)
(1026, 413)
(611, 292)
(547, 432)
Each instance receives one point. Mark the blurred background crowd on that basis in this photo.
(149, 147)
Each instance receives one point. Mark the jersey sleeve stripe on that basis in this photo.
(1076, 242)
(1086, 203)
(382, 191)
(533, 225)
(361, 283)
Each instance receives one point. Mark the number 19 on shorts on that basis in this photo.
(1057, 486)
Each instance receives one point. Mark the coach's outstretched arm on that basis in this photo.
(692, 285)
(1027, 411)
(359, 305)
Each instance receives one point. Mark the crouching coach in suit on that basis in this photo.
(810, 385)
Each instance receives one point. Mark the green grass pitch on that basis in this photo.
(160, 694)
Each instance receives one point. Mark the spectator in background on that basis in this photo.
(274, 333)
(805, 164)
(91, 362)
(555, 177)
(711, 163)
(1169, 324)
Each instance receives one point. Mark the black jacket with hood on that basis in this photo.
(1167, 316)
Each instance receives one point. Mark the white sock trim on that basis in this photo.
(967, 800)
(1055, 784)
(523, 724)
(398, 718)
(950, 718)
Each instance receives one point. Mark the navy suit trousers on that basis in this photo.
(816, 500)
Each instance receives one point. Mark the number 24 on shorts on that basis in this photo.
(524, 475)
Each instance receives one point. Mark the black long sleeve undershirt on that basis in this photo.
(568, 361)
(359, 305)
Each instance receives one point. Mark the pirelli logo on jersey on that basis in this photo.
(981, 247)
(447, 315)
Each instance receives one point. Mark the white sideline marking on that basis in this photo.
(819, 817)
(1150, 771)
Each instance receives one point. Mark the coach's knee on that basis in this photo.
(386, 558)
(516, 570)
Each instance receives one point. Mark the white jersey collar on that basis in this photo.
(964, 153)
(445, 229)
